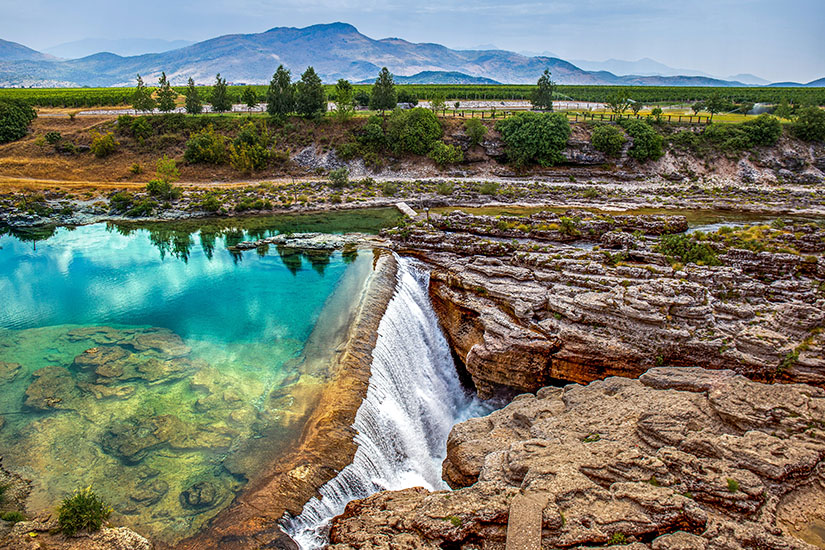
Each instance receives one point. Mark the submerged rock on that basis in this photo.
(52, 388)
(682, 458)
(202, 494)
(8, 371)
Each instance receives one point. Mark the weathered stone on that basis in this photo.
(103, 356)
(8, 371)
(686, 459)
(52, 388)
(203, 494)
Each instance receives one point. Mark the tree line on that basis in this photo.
(306, 97)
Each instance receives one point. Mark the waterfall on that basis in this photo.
(413, 400)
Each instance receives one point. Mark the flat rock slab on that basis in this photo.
(405, 209)
(524, 523)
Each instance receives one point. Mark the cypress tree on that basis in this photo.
(166, 95)
(383, 96)
(194, 106)
(310, 97)
(142, 98)
(220, 98)
(280, 97)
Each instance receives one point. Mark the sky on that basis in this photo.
(775, 40)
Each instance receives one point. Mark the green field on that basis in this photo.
(100, 97)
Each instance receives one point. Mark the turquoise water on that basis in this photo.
(148, 361)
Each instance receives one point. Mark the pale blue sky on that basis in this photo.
(776, 40)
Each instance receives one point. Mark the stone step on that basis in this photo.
(524, 522)
(405, 209)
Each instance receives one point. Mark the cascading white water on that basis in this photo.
(413, 400)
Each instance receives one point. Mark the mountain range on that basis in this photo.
(335, 50)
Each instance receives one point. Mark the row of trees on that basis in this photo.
(306, 97)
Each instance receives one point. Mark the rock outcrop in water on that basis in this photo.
(683, 458)
(521, 308)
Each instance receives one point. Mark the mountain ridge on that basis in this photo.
(335, 50)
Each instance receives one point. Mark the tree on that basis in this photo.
(657, 113)
(716, 103)
(220, 98)
(193, 103)
(535, 137)
(166, 95)
(618, 102)
(250, 98)
(542, 97)
(784, 109)
(475, 130)
(697, 107)
(635, 106)
(810, 124)
(383, 96)
(280, 97)
(142, 98)
(344, 100)
(413, 131)
(15, 117)
(310, 97)
(438, 102)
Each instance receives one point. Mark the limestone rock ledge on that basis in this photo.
(521, 309)
(682, 458)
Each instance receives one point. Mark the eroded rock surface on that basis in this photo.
(681, 458)
(521, 308)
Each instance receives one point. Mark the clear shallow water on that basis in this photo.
(146, 362)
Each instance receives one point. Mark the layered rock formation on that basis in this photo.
(522, 309)
(682, 458)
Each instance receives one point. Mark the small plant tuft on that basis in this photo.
(83, 511)
(733, 485)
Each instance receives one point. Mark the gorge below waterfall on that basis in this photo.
(414, 399)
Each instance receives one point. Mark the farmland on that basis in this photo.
(102, 97)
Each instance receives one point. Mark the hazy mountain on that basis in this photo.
(12, 51)
(119, 46)
(820, 82)
(642, 67)
(751, 79)
(335, 50)
(437, 77)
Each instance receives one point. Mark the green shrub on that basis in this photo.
(13, 517)
(15, 118)
(83, 511)
(136, 169)
(124, 124)
(247, 158)
(535, 137)
(206, 146)
(52, 138)
(475, 130)
(252, 203)
(487, 188)
(142, 209)
(608, 139)
(121, 201)
(687, 250)
(443, 153)
(163, 190)
(733, 485)
(809, 124)
(617, 538)
(210, 204)
(647, 142)
(103, 145)
(339, 178)
(347, 151)
(141, 128)
(389, 189)
(444, 188)
(763, 130)
(373, 135)
(413, 131)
